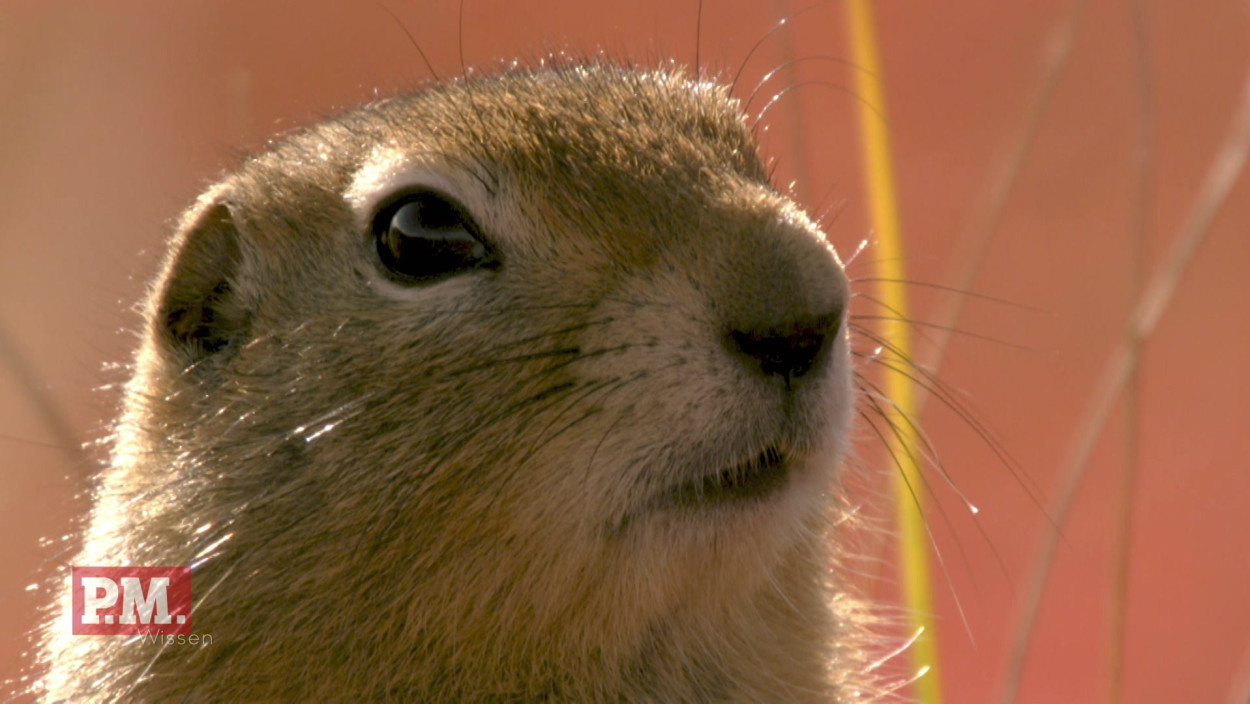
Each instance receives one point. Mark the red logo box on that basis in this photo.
(115, 601)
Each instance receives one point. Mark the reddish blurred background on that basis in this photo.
(115, 114)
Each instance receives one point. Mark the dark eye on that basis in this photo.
(426, 236)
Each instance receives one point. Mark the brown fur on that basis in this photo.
(454, 492)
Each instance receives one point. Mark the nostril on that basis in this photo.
(788, 351)
(788, 355)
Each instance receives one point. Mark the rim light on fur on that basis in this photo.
(883, 208)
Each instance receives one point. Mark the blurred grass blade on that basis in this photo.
(1225, 170)
(883, 207)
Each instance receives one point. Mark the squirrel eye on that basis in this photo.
(426, 236)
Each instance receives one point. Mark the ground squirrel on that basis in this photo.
(522, 388)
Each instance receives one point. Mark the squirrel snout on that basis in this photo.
(786, 305)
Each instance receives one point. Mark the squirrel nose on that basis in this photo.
(788, 351)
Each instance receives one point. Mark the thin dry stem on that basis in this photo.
(803, 164)
(1226, 168)
(1240, 692)
(1139, 227)
(975, 243)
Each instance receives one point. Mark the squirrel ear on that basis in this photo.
(199, 312)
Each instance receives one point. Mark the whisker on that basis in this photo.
(830, 213)
(464, 71)
(543, 439)
(955, 331)
(413, 40)
(771, 31)
(698, 40)
(865, 331)
(593, 353)
(32, 443)
(928, 381)
(604, 438)
(547, 354)
(859, 249)
(902, 648)
(827, 84)
(609, 386)
(935, 387)
(937, 552)
(577, 327)
(746, 104)
(949, 289)
(893, 687)
(876, 396)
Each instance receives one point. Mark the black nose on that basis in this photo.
(788, 351)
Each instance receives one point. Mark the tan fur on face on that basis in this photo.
(460, 491)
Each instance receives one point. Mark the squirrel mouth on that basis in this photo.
(754, 479)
